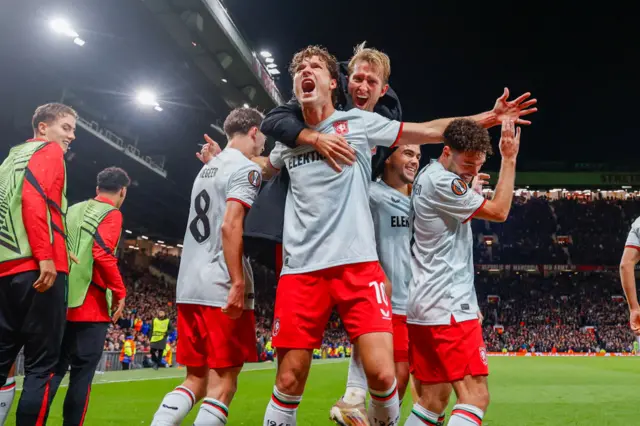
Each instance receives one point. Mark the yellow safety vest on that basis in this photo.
(160, 328)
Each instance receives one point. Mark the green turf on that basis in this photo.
(524, 391)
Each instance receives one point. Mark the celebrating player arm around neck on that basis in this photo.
(215, 292)
(630, 258)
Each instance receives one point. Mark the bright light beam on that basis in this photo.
(62, 27)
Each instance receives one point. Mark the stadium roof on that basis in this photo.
(180, 50)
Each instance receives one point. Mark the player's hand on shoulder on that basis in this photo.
(209, 150)
(509, 140)
(235, 301)
(335, 149)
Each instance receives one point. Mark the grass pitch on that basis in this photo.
(524, 391)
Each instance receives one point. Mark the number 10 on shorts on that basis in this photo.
(381, 298)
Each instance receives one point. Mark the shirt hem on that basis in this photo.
(446, 321)
(288, 271)
(205, 303)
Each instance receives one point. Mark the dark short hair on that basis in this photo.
(241, 120)
(113, 179)
(48, 113)
(465, 135)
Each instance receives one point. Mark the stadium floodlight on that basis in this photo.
(271, 66)
(62, 27)
(274, 71)
(246, 105)
(269, 60)
(158, 108)
(78, 41)
(144, 237)
(128, 232)
(224, 80)
(146, 97)
(265, 54)
(160, 242)
(179, 245)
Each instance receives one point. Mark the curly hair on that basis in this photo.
(241, 120)
(113, 179)
(464, 135)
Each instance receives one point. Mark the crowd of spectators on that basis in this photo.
(567, 230)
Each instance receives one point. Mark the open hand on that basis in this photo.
(513, 110)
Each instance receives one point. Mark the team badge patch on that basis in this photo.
(459, 187)
(341, 127)
(483, 355)
(276, 327)
(255, 179)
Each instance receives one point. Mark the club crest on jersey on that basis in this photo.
(276, 327)
(459, 187)
(255, 179)
(341, 127)
(483, 355)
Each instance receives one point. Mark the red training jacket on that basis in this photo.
(40, 194)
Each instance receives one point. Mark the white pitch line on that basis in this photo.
(139, 379)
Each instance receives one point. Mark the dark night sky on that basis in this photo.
(453, 58)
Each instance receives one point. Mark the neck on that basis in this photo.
(395, 182)
(114, 198)
(42, 137)
(244, 144)
(314, 115)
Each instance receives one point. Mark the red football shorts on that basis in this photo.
(208, 337)
(447, 353)
(400, 338)
(304, 303)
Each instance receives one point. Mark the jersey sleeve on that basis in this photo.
(454, 197)
(380, 130)
(284, 123)
(633, 239)
(244, 185)
(276, 157)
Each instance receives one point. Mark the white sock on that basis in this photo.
(421, 416)
(281, 409)
(465, 415)
(174, 407)
(7, 392)
(384, 408)
(356, 392)
(212, 413)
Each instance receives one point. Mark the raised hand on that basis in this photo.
(509, 140)
(513, 110)
(209, 150)
(479, 181)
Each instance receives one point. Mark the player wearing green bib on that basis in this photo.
(94, 227)
(33, 257)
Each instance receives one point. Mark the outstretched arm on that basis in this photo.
(432, 131)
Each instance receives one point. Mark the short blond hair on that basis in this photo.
(375, 57)
(48, 113)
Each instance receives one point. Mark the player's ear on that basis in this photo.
(42, 128)
(385, 89)
(253, 132)
(333, 84)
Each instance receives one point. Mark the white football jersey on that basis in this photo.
(633, 239)
(442, 206)
(327, 218)
(203, 278)
(390, 211)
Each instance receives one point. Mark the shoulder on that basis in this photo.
(636, 224)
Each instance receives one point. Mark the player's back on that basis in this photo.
(327, 216)
(203, 277)
(390, 212)
(442, 247)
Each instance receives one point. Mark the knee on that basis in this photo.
(381, 379)
(291, 381)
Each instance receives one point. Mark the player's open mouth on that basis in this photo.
(411, 170)
(361, 101)
(308, 86)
